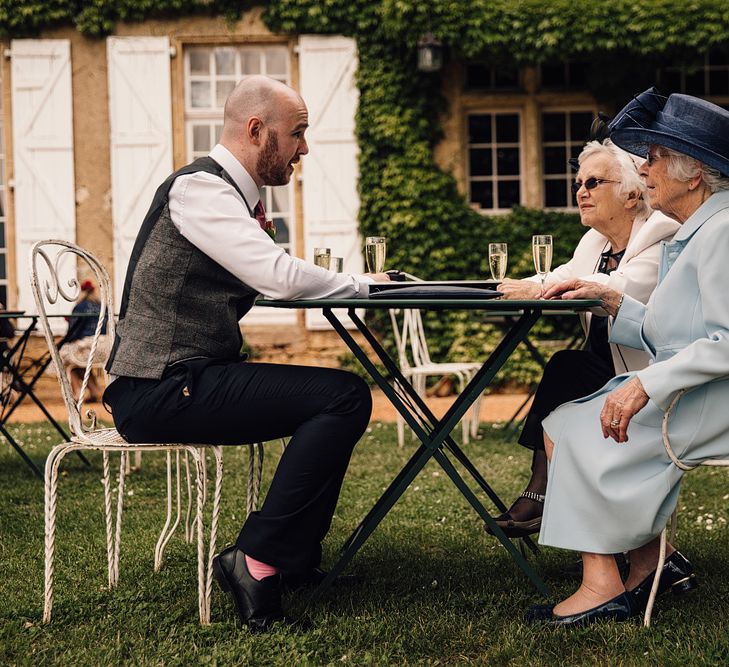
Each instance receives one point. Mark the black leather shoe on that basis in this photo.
(677, 575)
(258, 602)
(311, 578)
(618, 609)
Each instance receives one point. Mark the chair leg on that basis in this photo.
(188, 514)
(114, 574)
(255, 472)
(656, 580)
(167, 532)
(51, 497)
(214, 519)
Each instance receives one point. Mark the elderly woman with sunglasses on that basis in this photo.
(620, 250)
(612, 486)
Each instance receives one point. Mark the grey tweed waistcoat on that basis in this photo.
(177, 303)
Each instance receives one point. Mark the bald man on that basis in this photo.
(201, 258)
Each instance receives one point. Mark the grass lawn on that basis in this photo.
(435, 590)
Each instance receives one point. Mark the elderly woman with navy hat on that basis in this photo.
(612, 486)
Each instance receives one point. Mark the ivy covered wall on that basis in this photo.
(432, 230)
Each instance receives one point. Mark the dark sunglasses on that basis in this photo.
(590, 184)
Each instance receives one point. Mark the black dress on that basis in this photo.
(571, 374)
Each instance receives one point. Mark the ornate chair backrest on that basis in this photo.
(47, 258)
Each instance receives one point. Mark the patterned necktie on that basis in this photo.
(260, 214)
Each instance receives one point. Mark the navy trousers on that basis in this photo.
(325, 411)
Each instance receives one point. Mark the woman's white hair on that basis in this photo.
(628, 165)
(683, 167)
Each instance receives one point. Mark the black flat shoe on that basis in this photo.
(258, 602)
(678, 576)
(618, 609)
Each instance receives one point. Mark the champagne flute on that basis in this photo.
(542, 253)
(375, 251)
(498, 256)
(322, 257)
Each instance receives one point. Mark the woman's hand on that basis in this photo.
(519, 289)
(620, 406)
(378, 277)
(576, 288)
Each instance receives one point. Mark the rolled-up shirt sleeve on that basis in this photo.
(210, 214)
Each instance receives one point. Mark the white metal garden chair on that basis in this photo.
(46, 258)
(673, 521)
(416, 365)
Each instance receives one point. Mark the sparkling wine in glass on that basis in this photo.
(375, 252)
(336, 264)
(542, 253)
(498, 256)
(322, 257)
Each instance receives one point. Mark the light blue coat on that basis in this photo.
(605, 497)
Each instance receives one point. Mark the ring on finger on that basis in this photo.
(615, 422)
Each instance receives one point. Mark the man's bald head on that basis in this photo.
(258, 96)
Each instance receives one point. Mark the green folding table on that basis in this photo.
(434, 434)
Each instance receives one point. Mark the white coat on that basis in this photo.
(635, 275)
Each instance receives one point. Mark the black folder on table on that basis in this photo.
(429, 289)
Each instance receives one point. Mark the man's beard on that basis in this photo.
(269, 167)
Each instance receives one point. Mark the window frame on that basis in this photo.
(564, 109)
(494, 178)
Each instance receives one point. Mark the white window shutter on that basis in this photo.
(42, 120)
(327, 66)
(140, 111)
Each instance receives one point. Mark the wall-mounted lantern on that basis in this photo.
(430, 53)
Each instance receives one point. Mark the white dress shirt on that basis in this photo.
(212, 215)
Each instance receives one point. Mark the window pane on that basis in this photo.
(508, 194)
(695, 82)
(507, 128)
(480, 161)
(577, 74)
(2, 211)
(479, 129)
(250, 62)
(201, 138)
(280, 199)
(553, 126)
(218, 132)
(580, 122)
(482, 194)
(276, 61)
(2, 266)
(200, 94)
(507, 161)
(719, 58)
(3, 294)
(670, 81)
(506, 77)
(224, 61)
(282, 230)
(719, 82)
(555, 160)
(222, 90)
(200, 61)
(555, 193)
(478, 76)
(553, 75)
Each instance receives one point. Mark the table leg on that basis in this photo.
(431, 442)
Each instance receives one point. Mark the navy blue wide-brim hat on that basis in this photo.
(683, 123)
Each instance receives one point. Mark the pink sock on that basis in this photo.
(260, 570)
